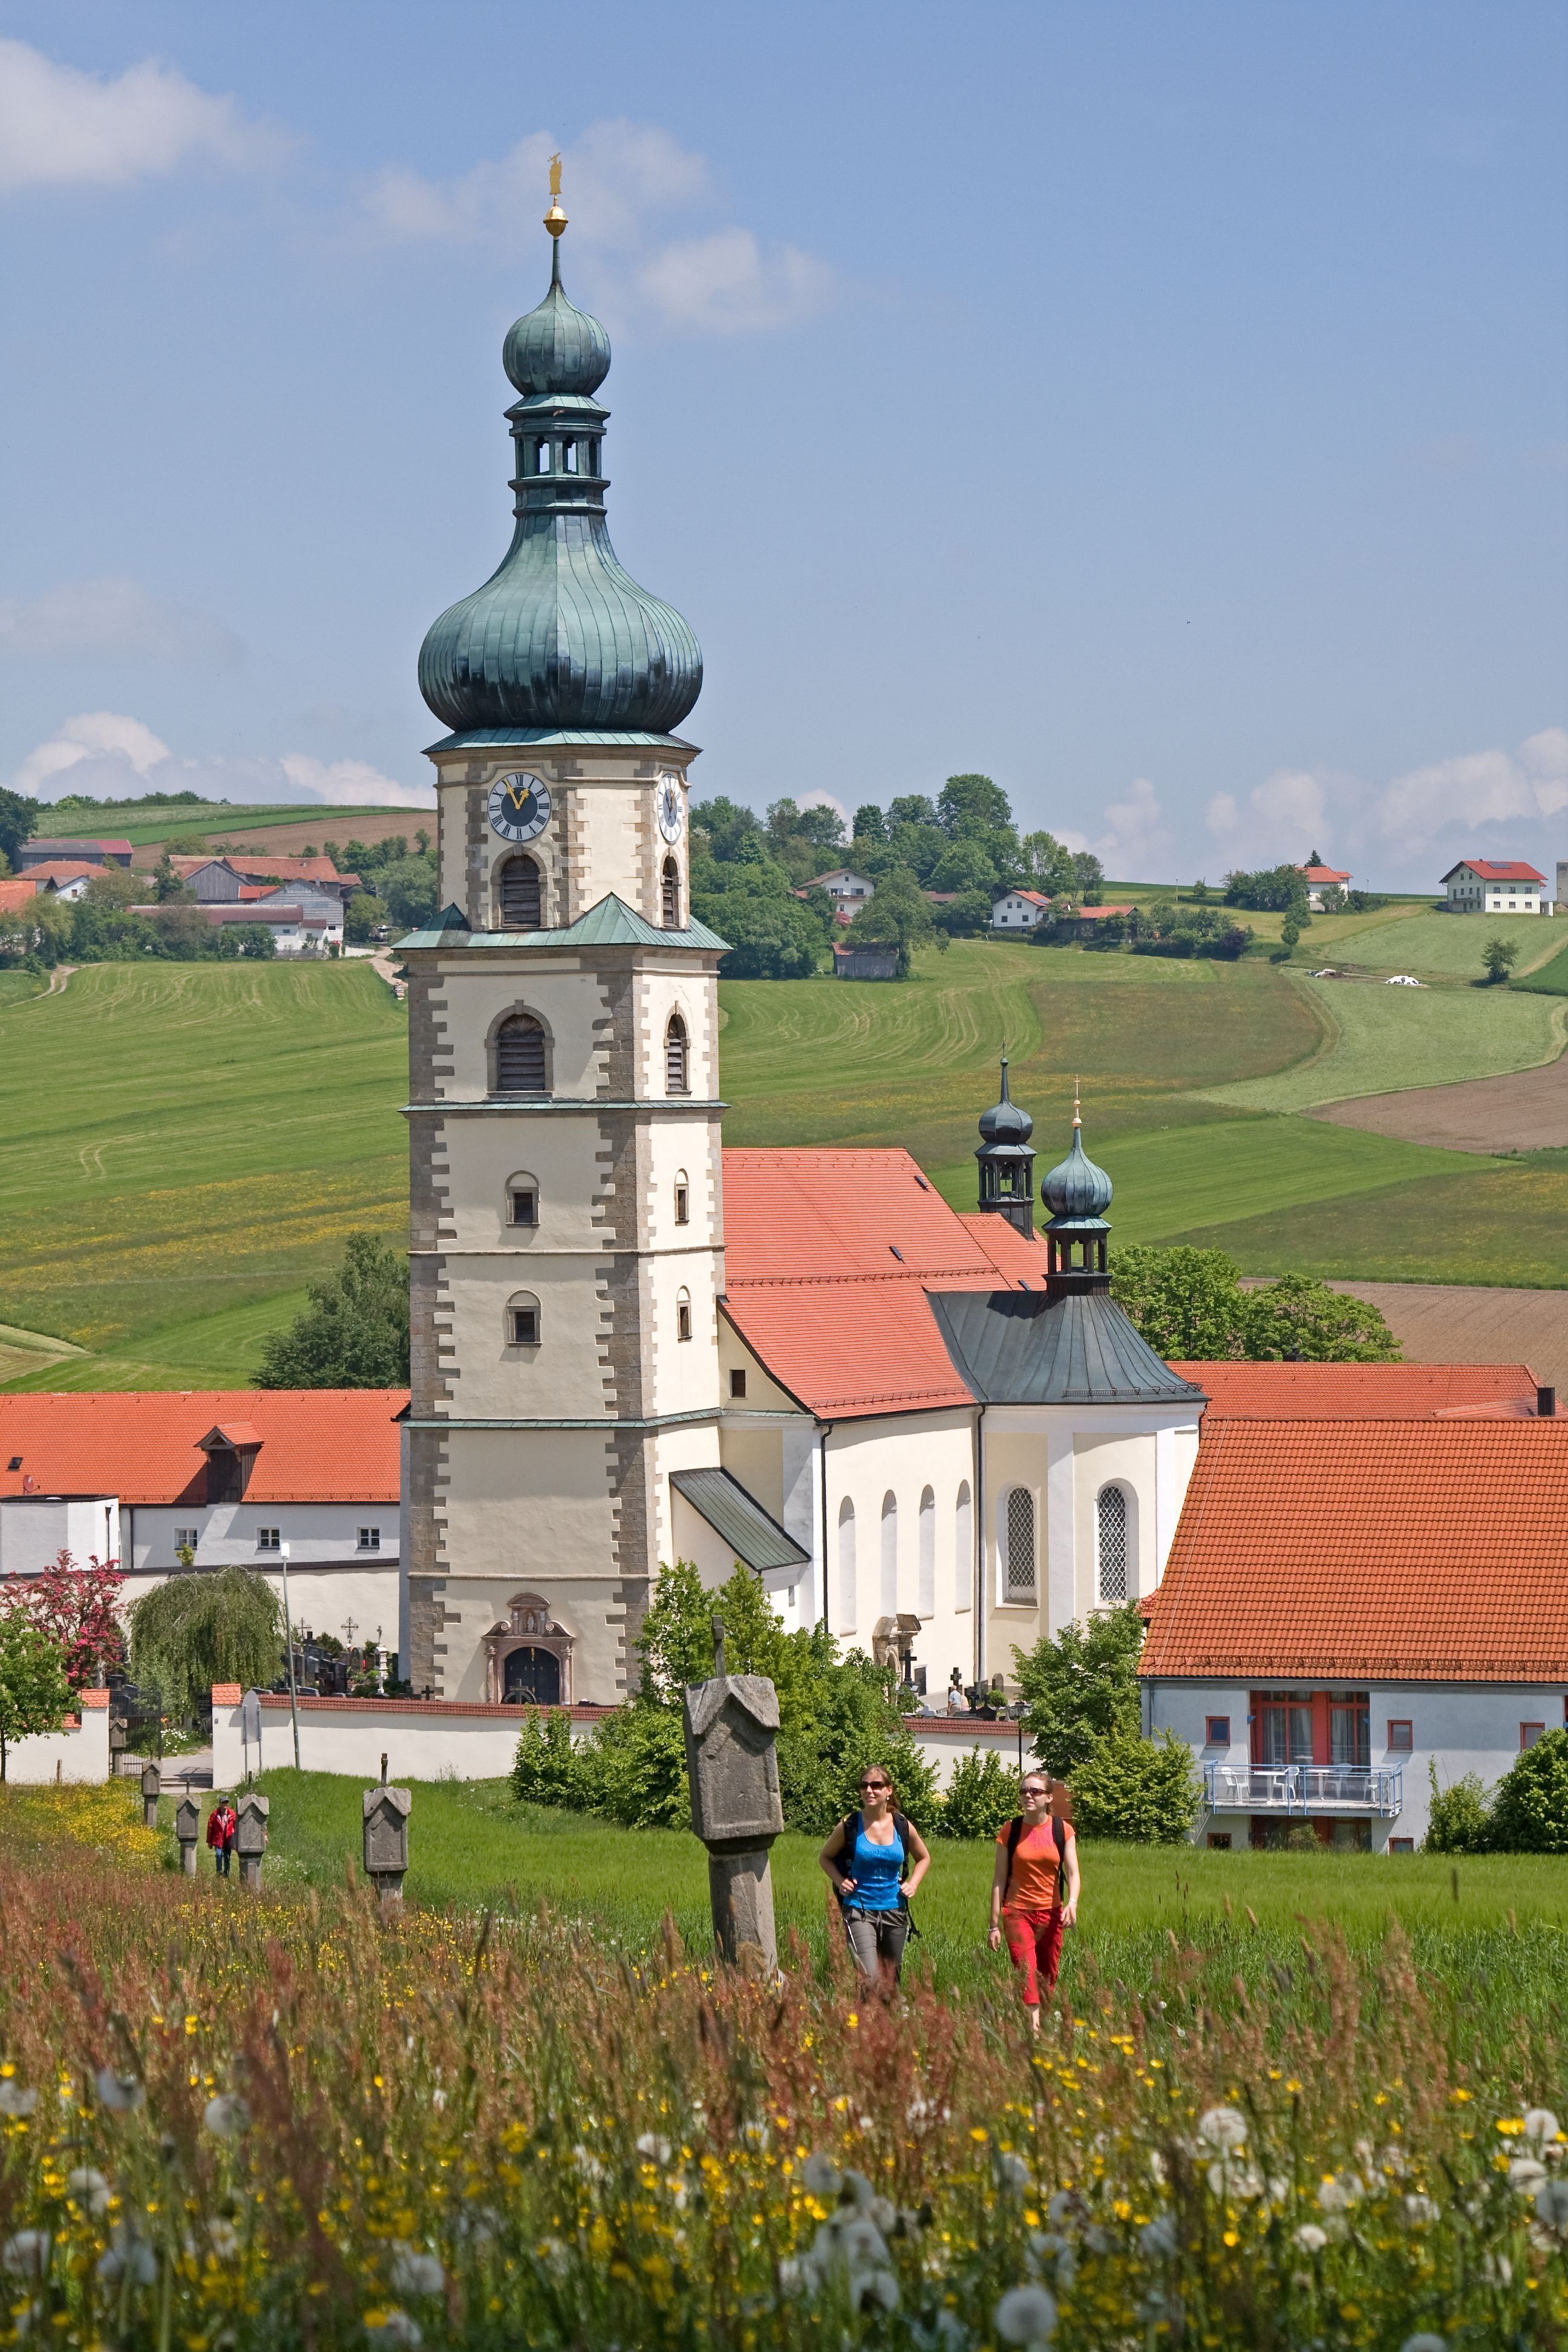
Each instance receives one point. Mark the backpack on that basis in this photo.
(1059, 1839)
(902, 1825)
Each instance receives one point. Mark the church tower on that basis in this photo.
(566, 1239)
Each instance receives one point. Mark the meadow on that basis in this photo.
(285, 2121)
(144, 824)
(186, 1146)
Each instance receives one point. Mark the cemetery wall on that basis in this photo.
(79, 1752)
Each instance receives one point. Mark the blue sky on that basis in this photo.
(1160, 408)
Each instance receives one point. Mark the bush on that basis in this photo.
(545, 1771)
(1082, 1687)
(1458, 1822)
(1142, 1791)
(1530, 1803)
(982, 1795)
(634, 1770)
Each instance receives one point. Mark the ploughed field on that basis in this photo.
(541, 2115)
(183, 1147)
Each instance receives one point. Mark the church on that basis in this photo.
(934, 1433)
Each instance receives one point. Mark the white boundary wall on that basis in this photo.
(79, 1752)
(434, 1740)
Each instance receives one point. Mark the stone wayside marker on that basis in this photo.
(250, 1843)
(386, 1812)
(151, 1789)
(188, 1828)
(731, 1732)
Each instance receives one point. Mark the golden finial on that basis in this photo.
(556, 219)
(1075, 1119)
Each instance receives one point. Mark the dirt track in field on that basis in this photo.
(1525, 1111)
(1450, 1323)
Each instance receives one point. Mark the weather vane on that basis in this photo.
(556, 219)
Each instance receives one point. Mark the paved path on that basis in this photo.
(382, 963)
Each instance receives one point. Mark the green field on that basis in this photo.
(1449, 944)
(185, 1146)
(135, 821)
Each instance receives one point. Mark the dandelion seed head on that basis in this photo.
(1026, 2314)
(1310, 2239)
(1223, 2127)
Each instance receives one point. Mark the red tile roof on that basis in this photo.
(828, 1256)
(315, 1445)
(1321, 874)
(1356, 1391)
(1098, 914)
(61, 871)
(17, 890)
(1370, 1551)
(1513, 869)
(254, 862)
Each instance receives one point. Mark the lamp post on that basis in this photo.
(288, 1647)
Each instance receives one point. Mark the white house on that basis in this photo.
(1346, 1610)
(1482, 886)
(230, 1475)
(1326, 887)
(297, 929)
(1019, 910)
(849, 891)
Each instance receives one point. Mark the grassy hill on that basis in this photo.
(142, 824)
(184, 1147)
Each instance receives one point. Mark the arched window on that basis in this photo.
(683, 1315)
(522, 1319)
(682, 1197)
(520, 1055)
(521, 903)
(671, 894)
(1111, 1530)
(675, 1056)
(846, 1566)
(889, 1555)
(963, 1548)
(1020, 1565)
(925, 1599)
(521, 1201)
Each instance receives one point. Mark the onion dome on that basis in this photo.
(1004, 1122)
(1077, 1187)
(561, 636)
(1007, 1162)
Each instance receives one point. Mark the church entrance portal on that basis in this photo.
(532, 1678)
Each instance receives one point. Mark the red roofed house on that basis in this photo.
(230, 1475)
(1019, 910)
(42, 852)
(63, 877)
(1326, 886)
(1351, 1602)
(1483, 886)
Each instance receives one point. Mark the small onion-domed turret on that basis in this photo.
(557, 347)
(1007, 1161)
(1078, 1194)
(1077, 1187)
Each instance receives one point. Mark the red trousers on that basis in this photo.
(1035, 1945)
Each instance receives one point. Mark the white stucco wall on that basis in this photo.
(318, 1533)
(79, 1752)
(1454, 1728)
(36, 1528)
(420, 1743)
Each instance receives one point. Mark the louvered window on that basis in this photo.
(522, 907)
(519, 1056)
(1112, 1544)
(675, 1056)
(671, 894)
(1020, 1545)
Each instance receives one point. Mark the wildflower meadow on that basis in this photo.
(231, 2121)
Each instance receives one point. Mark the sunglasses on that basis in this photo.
(870, 1787)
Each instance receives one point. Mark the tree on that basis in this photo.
(1499, 956)
(18, 822)
(218, 1625)
(1456, 1819)
(35, 1696)
(970, 805)
(1082, 1687)
(1530, 1803)
(870, 825)
(1299, 1318)
(912, 808)
(770, 938)
(167, 887)
(966, 865)
(1289, 934)
(900, 917)
(1186, 1302)
(980, 1796)
(1049, 863)
(1143, 1792)
(1088, 874)
(408, 889)
(354, 1333)
(75, 1608)
(361, 917)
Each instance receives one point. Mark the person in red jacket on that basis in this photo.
(223, 1825)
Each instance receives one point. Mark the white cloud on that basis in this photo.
(619, 178)
(111, 620)
(108, 756)
(1136, 841)
(1271, 826)
(1477, 788)
(62, 127)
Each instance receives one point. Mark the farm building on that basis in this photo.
(42, 851)
(1482, 886)
(867, 962)
(1019, 910)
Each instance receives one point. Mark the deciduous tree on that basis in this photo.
(219, 1625)
(35, 1696)
(1081, 1687)
(75, 1608)
(354, 1333)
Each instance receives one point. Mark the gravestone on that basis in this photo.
(732, 1763)
(187, 1829)
(250, 1843)
(386, 1812)
(151, 1789)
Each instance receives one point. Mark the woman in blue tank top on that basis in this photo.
(867, 1859)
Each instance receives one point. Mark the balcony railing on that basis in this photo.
(1304, 1788)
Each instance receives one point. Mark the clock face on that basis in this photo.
(671, 809)
(520, 807)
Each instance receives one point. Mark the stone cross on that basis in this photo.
(731, 1731)
(187, 1829)
(386, 1812)
(251, 1840)
(151, 1789)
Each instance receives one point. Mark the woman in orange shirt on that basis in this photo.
(1034, 1857)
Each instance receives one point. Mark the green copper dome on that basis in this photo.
(560, 636)
(1077, 1187)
